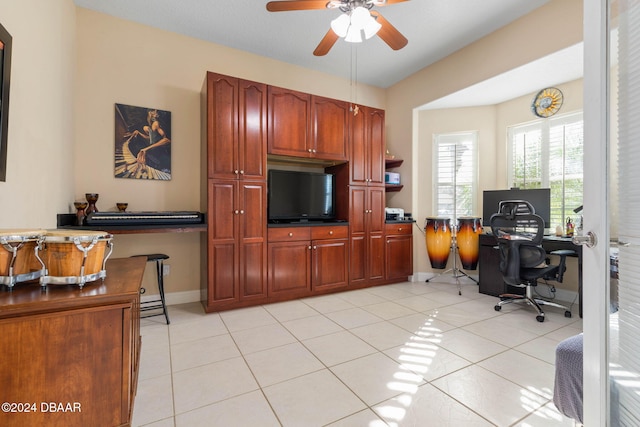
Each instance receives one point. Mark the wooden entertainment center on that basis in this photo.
(247, 261)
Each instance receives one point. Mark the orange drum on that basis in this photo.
(438, 238)
(75, 257)
(468, 241)
(19, 261)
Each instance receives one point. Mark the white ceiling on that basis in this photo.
(435, 29)
(560, 67)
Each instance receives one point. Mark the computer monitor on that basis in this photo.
(540, 199)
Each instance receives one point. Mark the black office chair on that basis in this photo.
(523, 260)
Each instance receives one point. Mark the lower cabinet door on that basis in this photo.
(289, 266)
(375, 258)
(330, 264)
(399, 257)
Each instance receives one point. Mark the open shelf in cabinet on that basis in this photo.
(392, 163)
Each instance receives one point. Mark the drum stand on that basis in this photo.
(456, 272)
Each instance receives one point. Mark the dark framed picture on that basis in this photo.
(142, 143)
(5, 74)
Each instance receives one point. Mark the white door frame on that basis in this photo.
(596, 259)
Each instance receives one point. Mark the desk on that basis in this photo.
(490, 278)
(68, 221)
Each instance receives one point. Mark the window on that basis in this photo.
(548, 154)
(455, 174)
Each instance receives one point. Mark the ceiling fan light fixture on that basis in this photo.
(340, 25)
(359, 17)
(371, 28)
(353, 35)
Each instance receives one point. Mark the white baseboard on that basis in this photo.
(175, 298)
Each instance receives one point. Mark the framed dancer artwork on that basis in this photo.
(142, 143)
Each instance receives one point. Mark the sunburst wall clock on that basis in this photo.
(547, 102)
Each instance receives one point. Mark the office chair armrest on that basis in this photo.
(563, 254)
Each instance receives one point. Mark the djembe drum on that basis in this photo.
(438, 240)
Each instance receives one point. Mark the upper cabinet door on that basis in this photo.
(222, 126)
(289, 119)
(358, 163)
(376, 145)
(367, 147)
(330, 128)
(252, 130)
(236, 128)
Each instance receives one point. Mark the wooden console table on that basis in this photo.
(70, 356)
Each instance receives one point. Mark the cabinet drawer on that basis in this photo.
(286, 234)
(329, 232)
(395, 229)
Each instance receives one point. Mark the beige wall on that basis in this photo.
(128, 63)
(71, 65)
(514, 45)
(409, 132)
(491, 123)
(431, 122)
(40, 158)
(518, 111)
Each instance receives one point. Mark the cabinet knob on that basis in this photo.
(290, 234)
(236, 212)
(309, 150)
(241, 172)
(399, 228)
(331, 233)
(235, 171)
(241, 212)
(309, 247)
(314, 150)
(315, 247)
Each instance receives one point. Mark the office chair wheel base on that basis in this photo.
(567, 314)
(497, 307)
(540, 318)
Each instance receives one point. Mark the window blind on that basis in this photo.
(455, 175)
(547, 153)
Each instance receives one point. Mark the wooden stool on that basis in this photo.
(156, 304)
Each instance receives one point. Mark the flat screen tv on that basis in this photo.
(540, 199)
(300, 196)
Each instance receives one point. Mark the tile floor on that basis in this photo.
(408, 354)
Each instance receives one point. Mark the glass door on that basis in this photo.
(624, 314)
(612, 213)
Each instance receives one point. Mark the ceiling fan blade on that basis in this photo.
(326, 43)
(389, 33)
(380, 3)
(284, 5)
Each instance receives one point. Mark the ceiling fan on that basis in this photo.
(357, 17)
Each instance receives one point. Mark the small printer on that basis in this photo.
(392, 178)
(394, 214)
